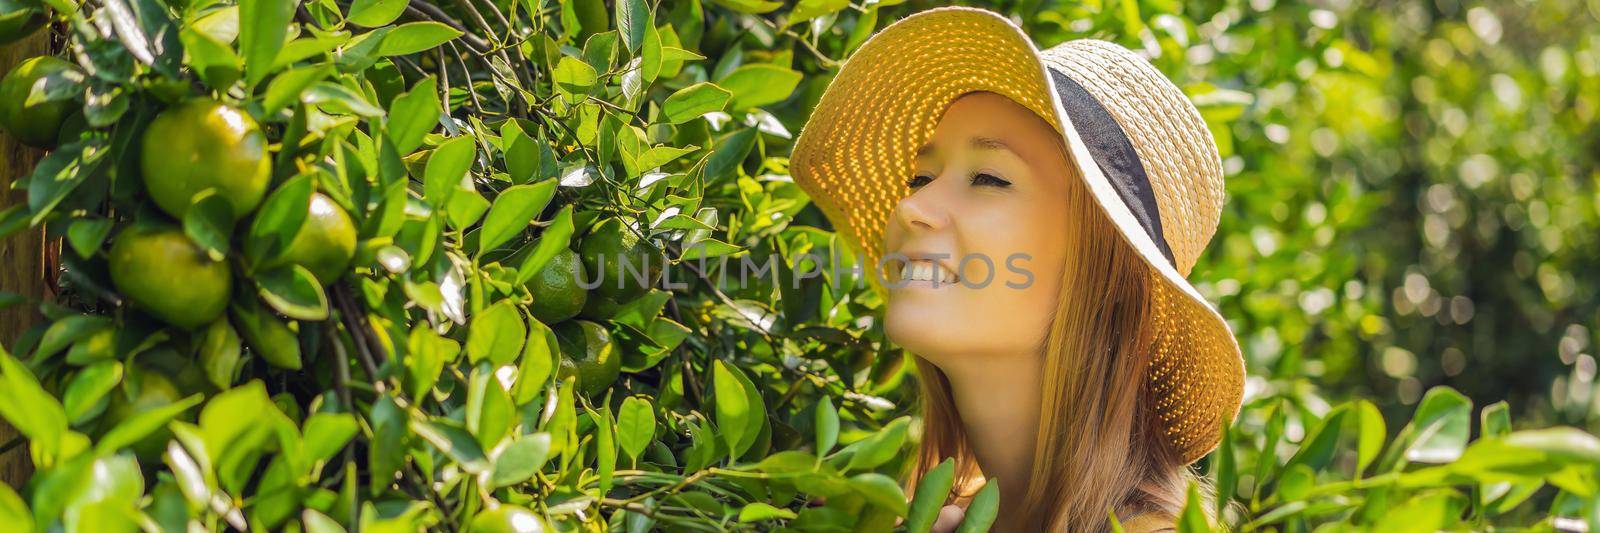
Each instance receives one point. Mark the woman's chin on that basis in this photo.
(923, 330)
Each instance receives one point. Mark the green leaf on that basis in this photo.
(287, 87)
(29, 409)
(522, 154)
(633, 17)
(574, 76)
(135, 428)
(810, 9)
(932, 491)
(1437, 433)
(661, 155)
(60, 173)
(279, 219)
(512, 211)
(761, 512)
(759, 84)
(732, 407)
(220, 352)
(1495, 419)
(1320, 443)
(1224, 467)
(754, 7)
(520, 460)
(327, 433)
(374, 13)
(827, 425)
(413, 37)
(539, 361)
(412, 115)
(87, 234)
(694, 101)
(213, 60)
(294, 292)
(883, 491)
(496, 334)
(730, 151)
(209, 222)
(465, 207)
(447, 166)
(13, 511)
(985, 507)
(453, 441)
(489, 409)
(557, 235)
(263, 26)
(1193, 519)
(68, 330)
(636, 426)
(605, 445)
(880, 447)
(426, 354)
(316, 522)
(89, 387)
(1371, 434)
(339, 99)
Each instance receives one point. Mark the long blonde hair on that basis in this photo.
(1099, 448)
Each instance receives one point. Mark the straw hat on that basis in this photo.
(1141, 146)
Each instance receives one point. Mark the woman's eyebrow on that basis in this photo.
(977, 143)
(990, 143)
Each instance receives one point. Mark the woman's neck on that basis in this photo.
(998, 398)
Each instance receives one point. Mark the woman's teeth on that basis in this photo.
(926, 271)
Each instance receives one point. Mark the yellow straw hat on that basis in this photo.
(1141, 146)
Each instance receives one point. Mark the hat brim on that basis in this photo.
(886, 100)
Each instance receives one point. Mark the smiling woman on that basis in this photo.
(949, 145)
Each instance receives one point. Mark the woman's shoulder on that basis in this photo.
(1150, 522)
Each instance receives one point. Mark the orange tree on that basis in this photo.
(325, 269)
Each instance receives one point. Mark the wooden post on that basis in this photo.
(22, 259)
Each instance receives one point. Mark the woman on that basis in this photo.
(1034, 215)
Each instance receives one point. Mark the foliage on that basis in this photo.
(472, 142)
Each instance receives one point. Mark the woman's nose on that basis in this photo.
(922, 209)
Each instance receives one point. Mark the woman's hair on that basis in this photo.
(1099, 448)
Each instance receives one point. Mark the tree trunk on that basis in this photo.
(22, 255)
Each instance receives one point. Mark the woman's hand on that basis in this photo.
(949, 518)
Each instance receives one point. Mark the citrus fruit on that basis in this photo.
(588, 353)
(556, 293)
(160, 270)
(142, 389)
(37, 124)
(613, 254)
(203, 144)
(324, 243)
(508, 518)
(600, 307)
(20, 18)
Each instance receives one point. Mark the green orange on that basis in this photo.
(556, 293)
(614, 254)
(158, 269)
(38, 124)
(325, 242)
(508, 519)
(142, 389)
(203, 144)
(588, 353)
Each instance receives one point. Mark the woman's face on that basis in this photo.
(974, 254)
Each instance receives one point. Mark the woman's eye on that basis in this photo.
(918, 181)
(983, 178)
